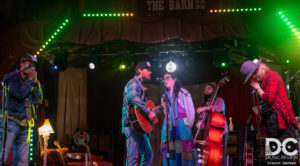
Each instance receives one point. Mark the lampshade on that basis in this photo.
(46, 129)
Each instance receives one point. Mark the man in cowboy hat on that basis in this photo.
(276, 110)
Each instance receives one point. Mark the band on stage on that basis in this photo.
(179, 145)
(271, 107)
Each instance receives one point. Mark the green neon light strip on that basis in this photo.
(235, 10)
(288, 23)
(52, 37)
(31, 146)
(109, 14)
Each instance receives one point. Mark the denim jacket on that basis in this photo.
(20, 90)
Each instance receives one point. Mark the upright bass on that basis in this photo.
(212, 148)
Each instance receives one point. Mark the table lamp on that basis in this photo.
(46, 130)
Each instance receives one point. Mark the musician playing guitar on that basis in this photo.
(217, 106)
(134, 95)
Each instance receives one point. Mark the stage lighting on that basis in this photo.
(224, 65)
(221, 60)
(91, 65)
(171, 67)
(93, 60)
(54, 67)
(122, 67)
(61, 59)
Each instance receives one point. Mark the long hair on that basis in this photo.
(177, 85)
(264, 68)
(207, 97)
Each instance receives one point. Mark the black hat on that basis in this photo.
(143, 65)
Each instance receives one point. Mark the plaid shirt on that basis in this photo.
(276, 96)
(134, 95)
(219, 106)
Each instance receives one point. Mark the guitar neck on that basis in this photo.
(60, 152)
(158, 108)
(89, 154)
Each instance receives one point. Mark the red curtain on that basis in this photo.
(237, 98)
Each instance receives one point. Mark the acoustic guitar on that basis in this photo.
(56, 143)
(140, 123)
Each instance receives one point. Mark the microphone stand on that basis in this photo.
(4, 101)
(167, 108)
(258, 125)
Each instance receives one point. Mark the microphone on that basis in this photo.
(14, 73)
(253, 91)
(161, 81)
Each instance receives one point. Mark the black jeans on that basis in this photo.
(271, 122)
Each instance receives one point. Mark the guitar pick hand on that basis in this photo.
(152, 117)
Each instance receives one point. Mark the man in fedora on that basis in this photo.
(134, 95)
(276, 110)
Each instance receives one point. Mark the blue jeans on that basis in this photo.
(16, 137)
(138, 144)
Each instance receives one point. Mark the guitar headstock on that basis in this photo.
(56, 143)
(223, 81)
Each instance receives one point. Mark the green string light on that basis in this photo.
(63, 24)
(289, 24)
(111, 14)
(50, 39)
(234, 10)
(31, 146)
